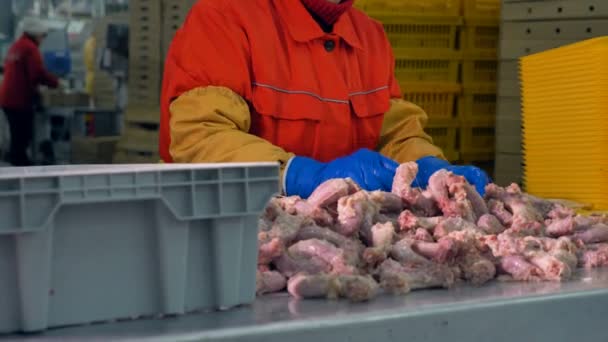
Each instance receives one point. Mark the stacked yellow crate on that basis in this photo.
(424, 37)
(477, 113)
(565, 119)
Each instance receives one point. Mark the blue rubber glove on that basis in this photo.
(369, 169)
(427, 166)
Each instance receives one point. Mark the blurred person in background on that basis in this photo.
(89, 50)
(24, 72)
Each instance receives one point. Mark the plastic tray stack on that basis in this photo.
(565, 117)
(85, 244)
(529, 27)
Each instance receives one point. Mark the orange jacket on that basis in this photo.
(259, 80)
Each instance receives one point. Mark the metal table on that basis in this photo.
(572, 311)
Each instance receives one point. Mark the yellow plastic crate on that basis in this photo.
(417, 7)
(486, 162)
(444, 133)
(478, 102)
(481, 9)
(451, 156)
(477, 157)
(479, 67)
(407, 32)
(437, 99)
(477, 137)
(427, 65)
(480, 34)
(565, 119)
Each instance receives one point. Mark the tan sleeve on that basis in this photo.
(211, 124)
(403, 138)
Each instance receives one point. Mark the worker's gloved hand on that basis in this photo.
(427, 166)
(369, 169)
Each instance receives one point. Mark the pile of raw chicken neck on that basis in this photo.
(343, 242)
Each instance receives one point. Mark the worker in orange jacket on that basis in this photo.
(307, 83)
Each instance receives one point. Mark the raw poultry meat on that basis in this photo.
(522, 207)
(330, 254)
(594, 255)
(403, 251)
(398, 278)
(441, 251)
(352, 247)
(356, 214)
(279, 234)
(345, 242)
(595, 234)
(450, 193)
(475, 268)
(299, 207)
(354, 287)
(291, 265)
(497, 208)
(422, 234)
(382, 236)
(328, 193)
(454, 224)
(518, 268)
(560, 226)
(408, 221)
(268, 281)
(490, 224)
(421, 202)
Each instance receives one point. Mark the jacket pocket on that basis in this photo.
(369, 109)
(291, 121)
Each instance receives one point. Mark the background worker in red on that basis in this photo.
(24, 71)
(308, 83)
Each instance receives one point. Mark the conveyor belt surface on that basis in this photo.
(573, 311)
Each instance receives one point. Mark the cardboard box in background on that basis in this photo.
(93, 150)
(174, 15)
(145, 55)
(58, 98)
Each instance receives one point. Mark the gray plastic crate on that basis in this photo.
(96, 243)
(514, 49)
(555, 30)
(508, 88)
(508, 107)
(508, 70)
(508, 168)
(508, 135)
(554, 9)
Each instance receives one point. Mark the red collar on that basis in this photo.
(328, 11)
(304, 28)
